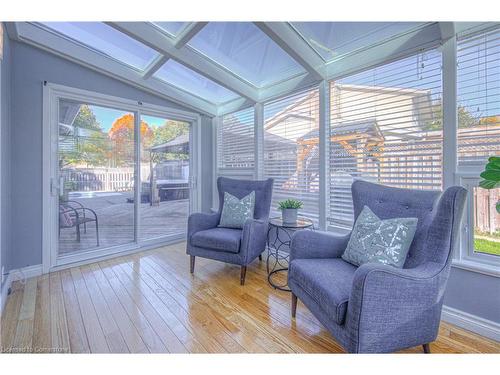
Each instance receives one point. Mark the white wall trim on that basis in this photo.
(476, 324)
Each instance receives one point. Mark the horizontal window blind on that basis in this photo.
(291, 155)
(385, 127)
(478, 76)
(235, 145)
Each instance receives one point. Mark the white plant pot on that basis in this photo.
(289, 215)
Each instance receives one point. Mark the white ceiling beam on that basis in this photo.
(82, 55)
(447, 30)
(188, 33)
(398, 47)
(295, 46)
(233, 106)
(155, 39)
(288, 86)
(154, 66)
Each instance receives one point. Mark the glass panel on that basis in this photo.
(96, 171)
(386, 127)
(332, 39)
(164, 205)
(486, 221)
(194, 83)
(107, 40)
(478, 102)
(172, 28)
(291, 151)
(246, 51)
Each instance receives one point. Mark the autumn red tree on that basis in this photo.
(122, 136)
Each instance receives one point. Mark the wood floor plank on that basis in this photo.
(42, 342)
(129, 332)
(10, 317)
(151, 339)
(95, 335)
(112, 333)
(23, 341)
(76, 330)
(171, 341)
(150, 302)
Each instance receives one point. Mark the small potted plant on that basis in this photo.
(289, 209)
(491, 176)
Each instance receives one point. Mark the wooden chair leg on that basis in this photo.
(294, 305)
(243, 274)
(427, 348)
(191, 261)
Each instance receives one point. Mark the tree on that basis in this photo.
(86, 119)
(89, 145)
(171, 129)
(122, 137)
(465, 118)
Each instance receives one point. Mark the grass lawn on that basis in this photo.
(485, 246)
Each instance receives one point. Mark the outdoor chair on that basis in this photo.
(73, 214)
(377, 308)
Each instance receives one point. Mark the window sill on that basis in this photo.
(475, 266)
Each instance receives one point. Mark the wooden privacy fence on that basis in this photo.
(102, 179)
(486, 218)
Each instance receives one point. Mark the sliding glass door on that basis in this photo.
(120, 182)
(165, 178)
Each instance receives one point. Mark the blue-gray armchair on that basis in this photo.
(236, 246)
(378, 308)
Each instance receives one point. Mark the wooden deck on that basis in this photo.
(116, 222)
(149, 302)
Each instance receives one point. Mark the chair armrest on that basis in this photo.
(405, 302)
(254, 238)
(201, 221)
(308, 244)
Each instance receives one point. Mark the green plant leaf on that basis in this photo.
(489, 184)
(490, 174)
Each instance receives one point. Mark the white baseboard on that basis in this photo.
(15, 275)
(476, 324)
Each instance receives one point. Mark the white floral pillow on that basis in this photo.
(236, 211)
(383, 241)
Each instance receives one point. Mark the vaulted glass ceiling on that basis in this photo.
(245, 50)
(172, 28)
(105, 39)
(247, 58)
(334, 39)
(188, 80)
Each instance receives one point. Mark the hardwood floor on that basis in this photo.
(149, 302)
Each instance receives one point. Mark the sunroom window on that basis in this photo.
(105, 39)
(188, 80)
(334, 39)
(246, 51)
(385, 127)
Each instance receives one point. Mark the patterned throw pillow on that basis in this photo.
(382, 241)
(236, 211)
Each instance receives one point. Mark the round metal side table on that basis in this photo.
(279, 237)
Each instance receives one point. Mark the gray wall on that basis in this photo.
(207, 166)
(5, 152)
(474, 293)
(32, 66)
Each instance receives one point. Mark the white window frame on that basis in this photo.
(52, 93)
(466, 257)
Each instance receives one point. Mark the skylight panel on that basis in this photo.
(106, 40)
(243, 49)
(188, 80)
(334, 39)
(172, 28)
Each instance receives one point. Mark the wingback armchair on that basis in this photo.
(236, 246)
(377, 308)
